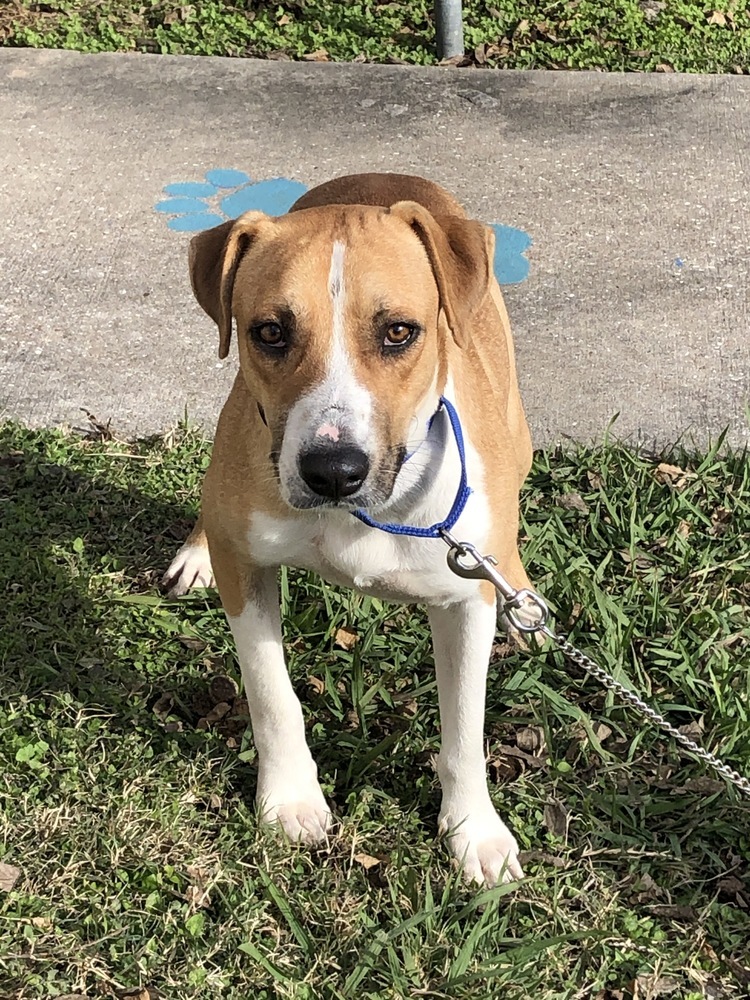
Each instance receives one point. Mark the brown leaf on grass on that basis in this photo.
(572, 501)
(694, 730)
(734, 888)
(9, 875)
(464, 60)
(702, 785)
(315, 685)
(674, 911)
(595, 479)
(319, 55)
(664, 68)
(502, 769)
(163, 705)
(651, 986)
(480, 54)
(222, 688)
(717, 17)
(216, 714)
(720, 521)
(672, 475)
(345, 638)
(684, 530)
(367, 861)
(557, 818)
(531, 740)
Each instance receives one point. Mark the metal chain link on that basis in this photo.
(527, 612)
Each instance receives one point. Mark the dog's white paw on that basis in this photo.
(483, 845)
(190, 568)
(302, 814)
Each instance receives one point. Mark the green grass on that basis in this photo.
(133, 825)
(711, 36)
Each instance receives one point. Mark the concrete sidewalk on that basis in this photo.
(632, 298)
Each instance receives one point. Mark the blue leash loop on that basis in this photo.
(463, 494)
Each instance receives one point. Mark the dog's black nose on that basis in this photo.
(334, 472)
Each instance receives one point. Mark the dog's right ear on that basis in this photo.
(214, 257)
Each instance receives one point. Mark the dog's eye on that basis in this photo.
(400, 334)
(269, 335)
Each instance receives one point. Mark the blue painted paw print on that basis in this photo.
(225, 194)
(511, 262)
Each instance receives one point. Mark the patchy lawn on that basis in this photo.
(127, 794)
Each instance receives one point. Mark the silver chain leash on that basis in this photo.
(528, 613)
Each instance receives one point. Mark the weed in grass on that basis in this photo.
(130, 813)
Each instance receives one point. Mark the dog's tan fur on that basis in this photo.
(409, 249)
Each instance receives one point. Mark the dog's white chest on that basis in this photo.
(402, 568)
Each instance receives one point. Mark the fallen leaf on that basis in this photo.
(222, 688)
(463, 60)
(319, 55)
(718, 18)
(693, 730)
(367, 861)
(316, 685)
(664, 68)
(684, 529)
(43, 923)
(9, 875)
(720, 521)
(214, 802)
(595, 479)
(163, 705)
(346, 638)
(674, 911)
(702, 786)
(190, 642)
(653, 986)
(284, 19)
(216, 714)
(572, 501)
(557, 818)
(480, 53)
(528, 758)
(602, 732)
(531, 740)
(501, 769)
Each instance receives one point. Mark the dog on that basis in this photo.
(372, 299)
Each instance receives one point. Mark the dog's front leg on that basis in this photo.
(288, 790)
(462, 636)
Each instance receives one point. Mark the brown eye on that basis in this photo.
(269, 335)
(400, 334)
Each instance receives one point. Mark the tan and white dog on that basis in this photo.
(355, 312)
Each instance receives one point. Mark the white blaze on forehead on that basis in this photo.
(338, 407)
(339, 363)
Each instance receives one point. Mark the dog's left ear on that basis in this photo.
(214, 257)
(460, 252)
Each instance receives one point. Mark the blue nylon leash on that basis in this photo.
(463, 494)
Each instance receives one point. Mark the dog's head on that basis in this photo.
(344, 316)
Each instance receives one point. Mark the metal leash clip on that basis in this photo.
(514, 601)
(483, 567)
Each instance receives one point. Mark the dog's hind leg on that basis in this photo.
(191, 567)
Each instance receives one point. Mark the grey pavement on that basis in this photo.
(633, 188)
